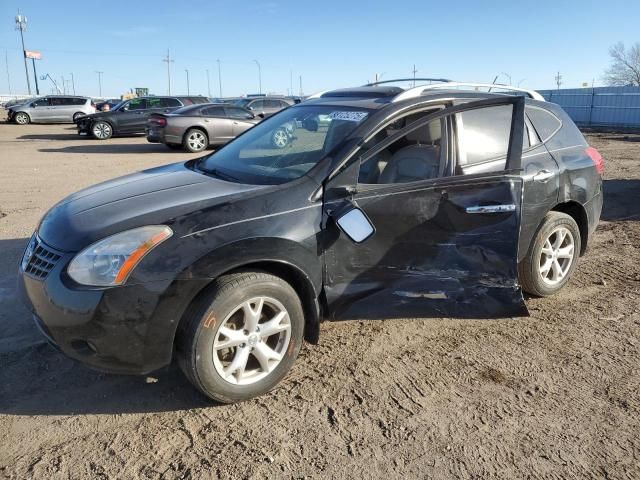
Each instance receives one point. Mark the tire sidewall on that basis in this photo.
(93, 126)
(186, 145)
(545, 230)
(22, 115)
(210, 382)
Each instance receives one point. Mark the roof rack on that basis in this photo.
(439, 80)
(417, 91)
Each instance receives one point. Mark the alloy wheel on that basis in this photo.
(197, 141)
(280, 138)
(102, 130)
(22, 118)
(252, 341)
(556, 256)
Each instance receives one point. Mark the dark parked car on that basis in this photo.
(196, 127)
(263, 105)
(130, 117)
(424, 202)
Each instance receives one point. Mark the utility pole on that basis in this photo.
(219, 78)
(414, 71)
(188, 90)
(6, 63)
(300, 78)
(35, 76)
(73, 83)
(64, 85)
(21, 25)
(208, 85)
(259, 76)
(100, 82)
(169, 62)
(291, 82)
(558, 79)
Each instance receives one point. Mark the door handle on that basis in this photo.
(542, 176)
(491, 208)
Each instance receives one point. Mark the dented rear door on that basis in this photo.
(442, 247)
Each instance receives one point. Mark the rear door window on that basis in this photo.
(155, 103)
(78, 101)
(170, 102)
(61, 101)
(545, 123)
(214, 112)
(43, 102)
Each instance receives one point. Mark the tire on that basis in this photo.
(101, 130)
(22, 118)
(77, 115)
(550, 261)
(195, 140)
(280, 138)
(219, 310)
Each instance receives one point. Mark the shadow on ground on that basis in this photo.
(97, 147)
(621, 199)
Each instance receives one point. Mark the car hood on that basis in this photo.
(150, 197)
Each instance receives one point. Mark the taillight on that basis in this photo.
(159, 121)
(597, 159)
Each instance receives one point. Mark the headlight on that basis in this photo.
(112, 259)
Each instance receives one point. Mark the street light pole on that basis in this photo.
(100, 82)
(219, 78)
(169, 62)
(259, 76)
(188, 92)
(208, 85)
(21, 24)
(73, 83)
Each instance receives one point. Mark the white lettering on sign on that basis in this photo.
(348, 116)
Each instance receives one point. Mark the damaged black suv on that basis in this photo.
(431, 201)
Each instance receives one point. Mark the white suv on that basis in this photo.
(53, 108)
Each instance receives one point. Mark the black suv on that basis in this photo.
(386, 203)
(130, 117)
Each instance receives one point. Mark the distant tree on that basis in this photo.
(625, 65)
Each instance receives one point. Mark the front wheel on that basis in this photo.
(552, 256)
(101, 130)
(22, 118)
(239, 341)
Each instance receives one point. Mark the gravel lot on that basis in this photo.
(554, 395)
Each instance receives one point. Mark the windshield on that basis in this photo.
(285, 146)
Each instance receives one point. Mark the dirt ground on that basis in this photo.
(554, 395)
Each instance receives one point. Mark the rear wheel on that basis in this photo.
(101, 130)
(77, 116)
(239, 341)
(22, 118)
(552, 256)
(195, 140)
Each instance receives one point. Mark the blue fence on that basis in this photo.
(599, 106)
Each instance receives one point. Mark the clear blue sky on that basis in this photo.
(330, 43)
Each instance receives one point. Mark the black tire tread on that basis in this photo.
(526, 275)
(192, 321)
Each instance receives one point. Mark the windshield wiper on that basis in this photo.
(218, 173)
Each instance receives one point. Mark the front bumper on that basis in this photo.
(84, 126)
(128, 329)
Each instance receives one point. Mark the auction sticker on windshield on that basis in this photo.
(348, 116)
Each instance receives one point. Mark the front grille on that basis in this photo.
(42, 259)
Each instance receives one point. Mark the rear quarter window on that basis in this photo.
(545, 123)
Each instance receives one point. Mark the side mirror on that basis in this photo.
(356, 225)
